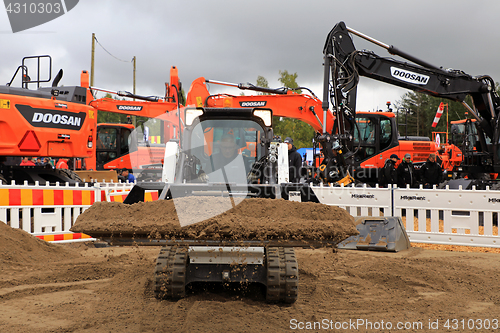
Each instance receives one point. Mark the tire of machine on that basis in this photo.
(71, 175)
(4, 181)
(170, 273)
(282, 275)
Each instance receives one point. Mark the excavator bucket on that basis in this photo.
(378, 234)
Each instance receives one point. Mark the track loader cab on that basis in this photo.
(223, 145)
(222, 150)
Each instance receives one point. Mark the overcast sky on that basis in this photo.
(235, 41)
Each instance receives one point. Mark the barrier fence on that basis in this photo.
(49, 211)
(446, 216)
(436, 216)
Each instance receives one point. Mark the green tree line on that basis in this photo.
(417, 111)
(301, 133)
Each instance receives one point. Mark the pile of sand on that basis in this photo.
(251, 219)
(18, 246)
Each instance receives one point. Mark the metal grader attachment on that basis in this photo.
(384, 233)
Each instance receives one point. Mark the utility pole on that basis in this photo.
(92, 61)
(133, 60)
(447, 122)
(134, 118)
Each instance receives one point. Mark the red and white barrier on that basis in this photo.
(48, 212)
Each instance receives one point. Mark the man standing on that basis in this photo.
(431, 172)
(388, 174)
(62, 163)
(27, 162)
(406, 173)
(128, 176)
(294, 161)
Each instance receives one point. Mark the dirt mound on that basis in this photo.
(251, 219)
(111, 290)
(18, 246)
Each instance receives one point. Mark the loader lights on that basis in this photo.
(273, 152)
(89, 142)
(265, 115)
(191, 115)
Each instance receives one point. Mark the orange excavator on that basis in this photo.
(61, 122)
(119, 146)
(375, 136)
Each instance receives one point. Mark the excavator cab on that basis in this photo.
(113, 141)
(43, 121)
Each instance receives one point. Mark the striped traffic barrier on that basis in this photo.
(46, 197)
(65, 237)
(120, 196)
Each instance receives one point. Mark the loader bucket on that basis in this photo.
(137, 193)
(382, 233)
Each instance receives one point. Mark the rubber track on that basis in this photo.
(291, 276)
(282, 275)
(170, 273)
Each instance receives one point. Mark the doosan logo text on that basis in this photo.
(253, 104)
(129, 107)
(409, 77)
(56, 119)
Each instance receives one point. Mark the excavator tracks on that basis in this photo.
(170, 273)
(282, 275)
(278, 272)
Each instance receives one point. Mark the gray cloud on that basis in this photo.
(236, 41)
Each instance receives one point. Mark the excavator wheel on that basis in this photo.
(282, 275)
(170, 273)
(3, 180)
(70, 174)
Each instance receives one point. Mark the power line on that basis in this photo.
(110, 52)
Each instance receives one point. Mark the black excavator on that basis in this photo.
(344, 64)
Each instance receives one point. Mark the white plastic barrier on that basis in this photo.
(358, 201)
(110, 190)
(457, 217)
(444, 216)
(50, 209)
